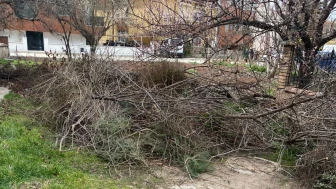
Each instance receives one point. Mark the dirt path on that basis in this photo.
(233, 173)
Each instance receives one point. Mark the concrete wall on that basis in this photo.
(54, 43)
(118, 51)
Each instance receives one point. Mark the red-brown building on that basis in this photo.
(234, 36)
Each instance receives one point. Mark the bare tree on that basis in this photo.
(59, 11)
(92, 19)
(301, 22)
(4, 15)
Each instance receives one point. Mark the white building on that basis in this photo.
(34, 43)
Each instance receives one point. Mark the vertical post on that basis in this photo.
(285, 65)
(24, 44)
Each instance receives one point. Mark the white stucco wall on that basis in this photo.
(17, 40)
(17, 43)
(53, 42)
(117, 51)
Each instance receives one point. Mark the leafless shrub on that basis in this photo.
(163, 74)
(317, 167)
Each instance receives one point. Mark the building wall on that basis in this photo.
(54, 42)
(228, 35)
(17, 42)
(153, 10)
(268, 42)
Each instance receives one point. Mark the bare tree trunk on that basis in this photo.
(307, 67)
(273, 70)
(93, 49)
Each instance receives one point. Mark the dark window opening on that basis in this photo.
(4, 39)
(35, 41)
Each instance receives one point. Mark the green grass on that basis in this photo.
(17, 62)
(4, 61)
(192, 71)
(289, 157)
(12, 96)
(29, 159)
(234, 107)
(256, 68)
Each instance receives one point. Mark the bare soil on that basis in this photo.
(230, 173)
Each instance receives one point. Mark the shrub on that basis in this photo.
(163, 74)
(257, 68)
(192, 71)
(187, 49)
(198, 164)
(326, 181)
(317, 167)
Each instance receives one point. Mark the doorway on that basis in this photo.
(35, 41)
(4, 39)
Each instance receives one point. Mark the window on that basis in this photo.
(122, 36)
(4, 39)
(122, 14)
(176, 42)
(96, 20)
(91, 18)
(35, 41)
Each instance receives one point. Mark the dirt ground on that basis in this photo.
(231, 173)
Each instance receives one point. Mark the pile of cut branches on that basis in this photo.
(129, 117)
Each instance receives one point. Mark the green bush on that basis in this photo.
(326, 181)
(257, 68)
(187, 49)
(4, 61)
(192, 71)
(198, 164)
